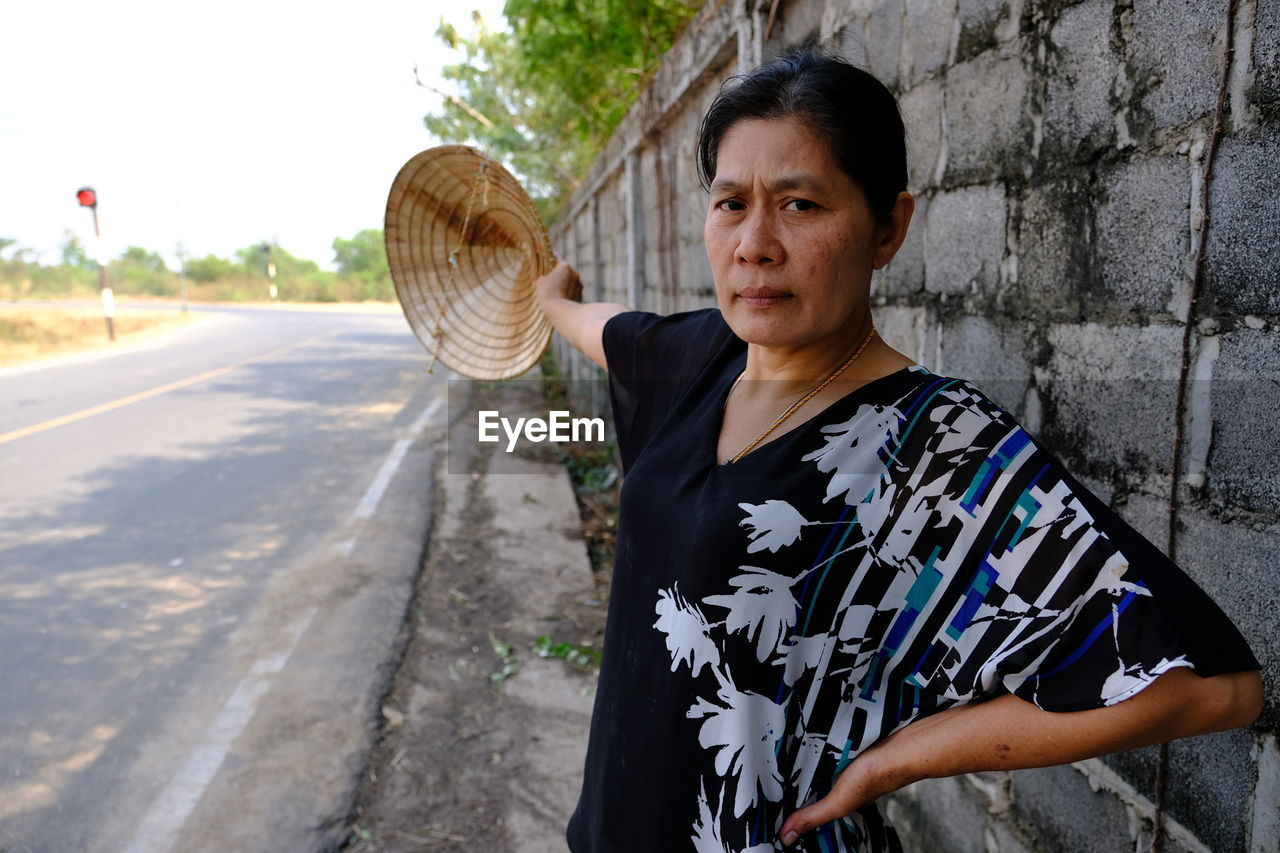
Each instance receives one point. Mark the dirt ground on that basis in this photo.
(30, 333)
(483, 736)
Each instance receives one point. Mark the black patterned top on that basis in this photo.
(909, 549)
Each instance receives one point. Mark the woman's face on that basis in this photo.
(791, 239)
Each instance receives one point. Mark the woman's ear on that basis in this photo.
(894, 231)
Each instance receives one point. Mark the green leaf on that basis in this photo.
(554, 86)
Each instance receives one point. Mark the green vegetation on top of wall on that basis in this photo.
(545, 96)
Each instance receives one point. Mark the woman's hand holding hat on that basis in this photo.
(559, 295)
(561, 283)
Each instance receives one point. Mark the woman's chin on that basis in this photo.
(764, 332)
(773, 326)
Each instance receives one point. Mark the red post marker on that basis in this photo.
(88, 197)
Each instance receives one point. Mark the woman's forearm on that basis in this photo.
(582, 323)
(1009, 733)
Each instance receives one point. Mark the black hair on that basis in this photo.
(850, 110)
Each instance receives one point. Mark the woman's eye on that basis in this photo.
(800, 204)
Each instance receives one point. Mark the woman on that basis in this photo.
(838, 573)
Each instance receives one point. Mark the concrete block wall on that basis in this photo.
(1071, 159)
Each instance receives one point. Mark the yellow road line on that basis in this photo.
(16, 434)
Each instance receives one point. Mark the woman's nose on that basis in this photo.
(758, 241)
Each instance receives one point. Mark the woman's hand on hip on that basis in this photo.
(866, 779)
(1008, 733)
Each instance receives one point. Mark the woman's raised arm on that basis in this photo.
(1009, 733)
(559, 294)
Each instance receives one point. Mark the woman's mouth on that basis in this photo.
(762, 297)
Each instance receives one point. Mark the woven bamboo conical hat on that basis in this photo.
(464, 244)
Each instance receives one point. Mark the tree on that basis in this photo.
(211, 268)
(364, 257)
(253, 261)
(73, 253)
(139, 258)
(545, 96)
(364, 254)
(141, 271)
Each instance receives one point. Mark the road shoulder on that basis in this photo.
(486, 726)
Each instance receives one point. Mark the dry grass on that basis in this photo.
(31, 333)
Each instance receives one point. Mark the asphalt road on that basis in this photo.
(207, 548)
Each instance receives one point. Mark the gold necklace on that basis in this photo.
(791, 410)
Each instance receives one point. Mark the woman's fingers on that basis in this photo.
(561, 283)
(865, 779)
(833, 806)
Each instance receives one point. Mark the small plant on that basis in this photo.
(583, 656)
(593, 470)
(507, 654)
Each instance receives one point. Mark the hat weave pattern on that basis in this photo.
(464, 244)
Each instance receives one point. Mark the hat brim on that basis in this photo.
(464, 244)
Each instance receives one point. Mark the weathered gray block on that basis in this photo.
(1104, 489)
(964, 239)
(1236, 565)
(796, 23)
(988, 130)
(1209, 781)
(1149, 515)
(980, 25)
(1266, 55)
(612, 215)
(903, 327)
(1244, 470)
(1243, 267)
(1053, 262)
(905, 274)
(882, 39)
(1138, 768)
(1005, 839)
(993, 358)
(1066, 815)
(922, 115)
(1174, 93)
(653, 183)
(1143, 227)
(1264, 818)
(845, 39)
(940, 814)
(696, 288)
(1078, 115)
(1112, 392)
(928, 26)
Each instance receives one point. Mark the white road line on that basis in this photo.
(373, 495)
(171, 809)
(423, 419)
(378, 487)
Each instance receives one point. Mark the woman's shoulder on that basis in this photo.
(641, 345)
(696, 323)
(940, 398)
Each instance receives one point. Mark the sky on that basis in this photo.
(214, 125)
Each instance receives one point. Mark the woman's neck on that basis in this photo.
(811, 362)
